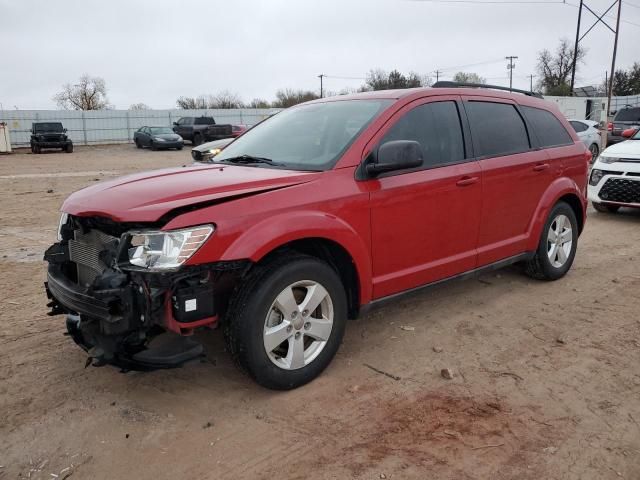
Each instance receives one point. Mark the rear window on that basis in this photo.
(204, 121)
(628, 115)
(549, 130)
(498, 129)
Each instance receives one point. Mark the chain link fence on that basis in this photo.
(116, 126)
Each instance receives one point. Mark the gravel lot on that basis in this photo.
(546, 375)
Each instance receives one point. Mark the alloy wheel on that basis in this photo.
(559, 240)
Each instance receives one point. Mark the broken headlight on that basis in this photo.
(160, 250)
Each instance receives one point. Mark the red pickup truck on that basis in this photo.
(312, 217)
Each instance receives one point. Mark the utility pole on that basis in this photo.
(437, 72)
(613, 66)
(321, 76)
(575, 49)
(531, 83)
(510, 67)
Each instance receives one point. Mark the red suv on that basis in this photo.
(311, 217)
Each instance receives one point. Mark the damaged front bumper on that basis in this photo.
(137, 319)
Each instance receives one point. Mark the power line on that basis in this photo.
(608, 16)
(493, 2)
(468, 65)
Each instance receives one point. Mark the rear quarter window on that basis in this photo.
(498, 129)
(548, 129)
(578, 126)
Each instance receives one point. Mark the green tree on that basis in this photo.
(464, 77)
(289, 97)
(554, 69)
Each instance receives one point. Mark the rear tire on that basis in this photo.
(602, 208)
(153, 146)
(69, 148)
(557, 245)
(270, 303)
(137, 142)
(37, 149)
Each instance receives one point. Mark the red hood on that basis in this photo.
(146, 196)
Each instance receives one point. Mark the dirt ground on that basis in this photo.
(546, 385)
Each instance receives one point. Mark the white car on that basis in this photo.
(615, 177)
(588, 132)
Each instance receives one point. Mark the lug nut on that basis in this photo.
(289, 328)
(307, 325)
(294, 314)
(305, 313)
(297, 335)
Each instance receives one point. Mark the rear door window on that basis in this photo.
(498, 129)
(436, 126)
(204, 121)
(578, 126)
(549, 130)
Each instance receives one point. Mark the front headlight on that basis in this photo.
(158, 250)
(63, 221)
(608, 159)
(214, 151)
(159, 139)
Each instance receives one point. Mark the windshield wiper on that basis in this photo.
(251, 159)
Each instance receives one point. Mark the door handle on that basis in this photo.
(465, 181)
(540, 167)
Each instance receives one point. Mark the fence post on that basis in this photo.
(170, 122)
(128, 129)
(84, 128)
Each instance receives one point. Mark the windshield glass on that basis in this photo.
(160, 130)
(636, 136)
(48, 127)
(307, 137)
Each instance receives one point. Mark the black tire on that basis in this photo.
(603, 208)
(69, 148)
(33, 149)
(179, 148)
(540, 266)
(137, 142)
(37, 149)
(245, 319)
(595, 151)
(153, 146)
(197, 139)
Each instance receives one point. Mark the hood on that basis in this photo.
(147, 196)
(628, 147)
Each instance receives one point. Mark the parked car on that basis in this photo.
(628, 117)
(206, 151)
(49, 135)
(237, 130)
(615, 177)
(201, 129)
(312, 217)
(157, 138)
(588, 132)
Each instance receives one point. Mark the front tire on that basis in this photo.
(286, 321)
(602, 208)
(153, 146)
(557, 246)
(69, 148)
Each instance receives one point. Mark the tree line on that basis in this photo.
(553, 72)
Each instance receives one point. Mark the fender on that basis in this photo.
(558, 188)
(289, 226)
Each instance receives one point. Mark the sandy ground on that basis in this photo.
(546, 385)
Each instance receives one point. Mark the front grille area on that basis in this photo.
(86, 250)
(621, 190)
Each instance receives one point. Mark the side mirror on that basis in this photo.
(629, 132)
(175, 123)
(64, 130)
(395, 155)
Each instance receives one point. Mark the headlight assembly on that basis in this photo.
(607, 159)
(64, 218)
(166, 250)
(159, 139)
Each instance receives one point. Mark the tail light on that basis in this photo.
(610, 126)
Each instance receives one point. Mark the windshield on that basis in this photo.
(628, 115)
(636, 136)
(307, 137)
(47, 127)
(160, 130)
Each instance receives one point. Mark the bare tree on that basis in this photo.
(259, 103)
(554, 70)
(225, 99)
(381, 80)
(192, 103)
(289, 97)
(464, 77)
(139, 106)
(90, 93)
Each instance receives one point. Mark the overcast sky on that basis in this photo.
(155, 51)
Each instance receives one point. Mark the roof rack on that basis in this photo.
(447, 84)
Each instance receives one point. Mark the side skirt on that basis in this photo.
(381, 302)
